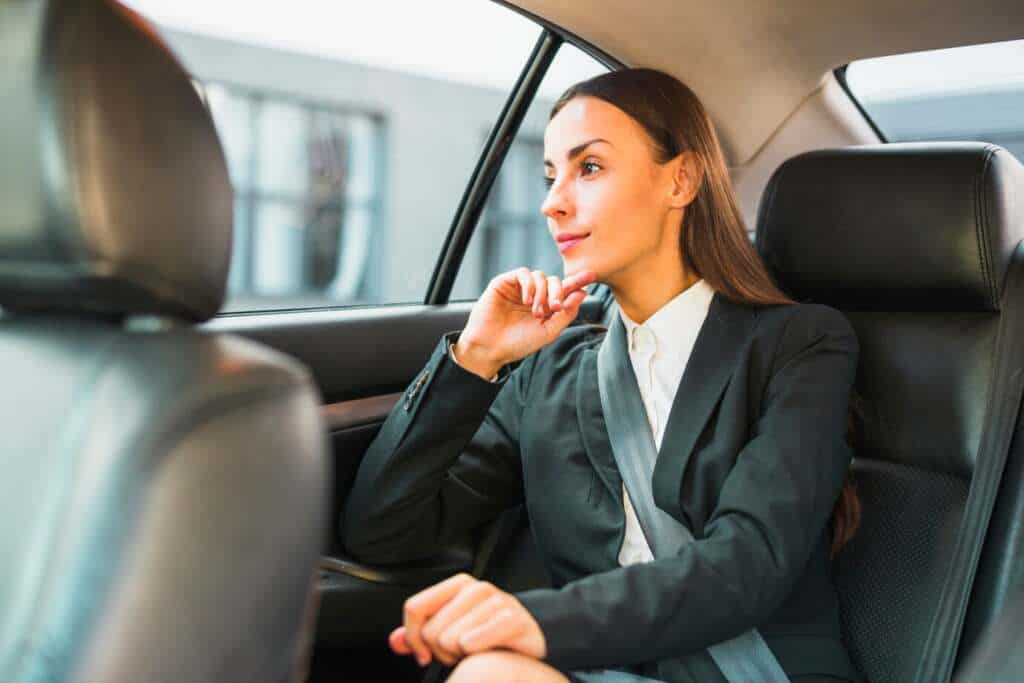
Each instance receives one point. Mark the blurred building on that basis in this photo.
(347, 176)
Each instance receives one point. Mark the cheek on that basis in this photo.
(623, 213)
(604, 204)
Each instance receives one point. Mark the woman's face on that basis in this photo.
(605, 184)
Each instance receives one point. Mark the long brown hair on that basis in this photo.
(713, 240)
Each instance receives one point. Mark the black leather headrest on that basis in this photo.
(912, 227)
(114, 192)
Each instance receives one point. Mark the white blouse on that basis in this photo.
(659, 350)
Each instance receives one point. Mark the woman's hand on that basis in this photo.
(519, 312)
(462, 616)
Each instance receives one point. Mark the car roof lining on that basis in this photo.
(787, 46)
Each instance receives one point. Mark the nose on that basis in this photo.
(558, 202)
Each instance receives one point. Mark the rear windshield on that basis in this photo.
(963, 93)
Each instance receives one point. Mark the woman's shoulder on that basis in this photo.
(801, 312)
(803, 322)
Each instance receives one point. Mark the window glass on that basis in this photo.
(305, 198)
(964, 93)
(350, 136)
(512, 231)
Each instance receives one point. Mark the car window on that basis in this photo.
(964, 93)
(350, 136)
(512, 232)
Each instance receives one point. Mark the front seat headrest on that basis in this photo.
(911, 226)
(114, 191)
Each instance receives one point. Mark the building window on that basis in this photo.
(307, 204)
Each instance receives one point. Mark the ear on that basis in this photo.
(687, 177)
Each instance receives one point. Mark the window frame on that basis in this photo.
(840, 74)
(467, 215)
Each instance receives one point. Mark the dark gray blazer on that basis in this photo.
(752, 460)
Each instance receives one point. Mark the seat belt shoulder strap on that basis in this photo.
(744, 659)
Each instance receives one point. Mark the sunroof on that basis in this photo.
(963, 93)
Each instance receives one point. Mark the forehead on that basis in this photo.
(586, 118)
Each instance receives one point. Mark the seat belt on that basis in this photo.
(938, 656)
(743, 659)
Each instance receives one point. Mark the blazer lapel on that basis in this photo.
(592, 426)
(711, 364)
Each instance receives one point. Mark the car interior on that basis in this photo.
(175, 473)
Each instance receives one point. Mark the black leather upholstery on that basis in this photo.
(165, 500)
(901, 227)
(164, 488)
(114, 193)
(913, 243)
(1000, 657)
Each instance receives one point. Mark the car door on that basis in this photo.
(379, 186)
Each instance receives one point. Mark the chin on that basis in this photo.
(576, 265)
(571, 266)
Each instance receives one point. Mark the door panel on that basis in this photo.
(362, 360)
(363, 353)
(354, 353)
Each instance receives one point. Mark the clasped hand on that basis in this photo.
(461, 616)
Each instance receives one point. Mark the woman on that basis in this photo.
(746, 395)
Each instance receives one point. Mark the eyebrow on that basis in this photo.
(578, 149)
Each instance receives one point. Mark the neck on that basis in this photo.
(640, 295)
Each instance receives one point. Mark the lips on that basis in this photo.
(566, 241)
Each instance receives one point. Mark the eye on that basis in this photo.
(588, 167)
(548, 181)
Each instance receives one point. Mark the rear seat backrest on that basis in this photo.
(165, 487)
(912, 243)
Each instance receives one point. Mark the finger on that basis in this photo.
(569, 311)
(397, 641)
(525, 285)
(479, 614)
(581, 279)
(578, 281)
(540, 299)
(554, 292)
(424, 605)
(468, 599)
(507, 625)
(573, 301)
(420, 607)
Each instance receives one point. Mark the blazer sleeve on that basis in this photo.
(445, 461)
(773, 508)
